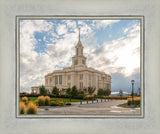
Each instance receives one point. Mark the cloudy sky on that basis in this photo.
(112, 46)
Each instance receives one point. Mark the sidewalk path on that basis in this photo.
(101, 108)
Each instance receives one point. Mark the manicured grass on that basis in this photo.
(65, 99)
(126, 105)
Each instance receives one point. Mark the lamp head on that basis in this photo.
(132, 81)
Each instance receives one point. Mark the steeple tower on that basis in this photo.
(79, 59)
(79, 47)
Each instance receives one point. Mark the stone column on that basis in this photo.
(63, 79)
(73, 79)
(85, 79)
(95, 82)
(53, 80)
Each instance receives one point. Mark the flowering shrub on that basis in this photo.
(104, 97)
(114, 97)
(22, 108)
(25, 100)
(53, 103)
(89, 97)
(136, 100)
(58, 102)
(36, 102)
(41, 101)
(31, 109)
(47, 100)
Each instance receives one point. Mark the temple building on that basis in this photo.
(77, 74)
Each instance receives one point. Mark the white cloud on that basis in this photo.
(31, 63)
(111, 57)
(103, 23)
(123, 54)
(61, 29)
(70, 24)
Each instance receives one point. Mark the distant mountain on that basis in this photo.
(117, 93)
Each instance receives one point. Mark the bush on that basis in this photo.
(29, 95)
(137, 101)
(97, 96)
(21, 108)
(32, 109)
(64, 96)
(36, 103)
(58, 102)
(89, 97)
(25, 100)
(53, 103)
(79, 96)
(41, 101)
(47, 100)
(111, 97)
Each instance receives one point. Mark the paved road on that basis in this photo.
(101, 108)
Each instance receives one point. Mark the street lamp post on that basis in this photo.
(132, 81)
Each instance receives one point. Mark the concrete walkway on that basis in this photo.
(101, 108)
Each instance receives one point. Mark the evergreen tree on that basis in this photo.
(100, 92)
(107, 92)
(74, 91)
(43, 91)
(55, 91)
(68, 91)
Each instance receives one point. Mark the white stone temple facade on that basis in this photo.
(77, 74)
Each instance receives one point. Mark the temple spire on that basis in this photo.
(79, 33)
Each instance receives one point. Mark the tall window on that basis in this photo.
(83, 62)
(69, 77)
(47, 81)
(81, 85)
(107, 86)
(56, 80)
(50, 80)
(76, 62)
(60, 79)
(81, 76)
(77, 51)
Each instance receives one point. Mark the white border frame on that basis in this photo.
(115, 17)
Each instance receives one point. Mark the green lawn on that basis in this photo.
(126, 105)
(65, 99)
